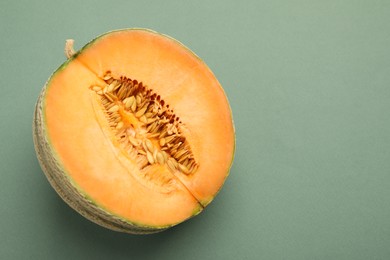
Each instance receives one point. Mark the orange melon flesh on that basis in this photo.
(91, 162)
(94, 162)
(187, 85)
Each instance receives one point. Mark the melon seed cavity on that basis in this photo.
(147, 129)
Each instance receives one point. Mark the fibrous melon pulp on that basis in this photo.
(134, 132)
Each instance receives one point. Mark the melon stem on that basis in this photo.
(69, 51)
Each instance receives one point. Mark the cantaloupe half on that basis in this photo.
(134, 132)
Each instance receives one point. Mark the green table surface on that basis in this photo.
(309, 86)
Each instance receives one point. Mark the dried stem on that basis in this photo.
(69, 51)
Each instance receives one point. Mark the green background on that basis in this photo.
(309, 86)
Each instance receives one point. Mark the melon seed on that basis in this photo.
(96, 88)
(150, 158)
(149, 145)
(134, 106)
(141, 111)
(162, 141)
(114, 109)
(183, 169)
(134, 141)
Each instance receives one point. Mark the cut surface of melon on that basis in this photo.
(140, 127)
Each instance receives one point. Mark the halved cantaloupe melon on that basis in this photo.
(134, 132)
